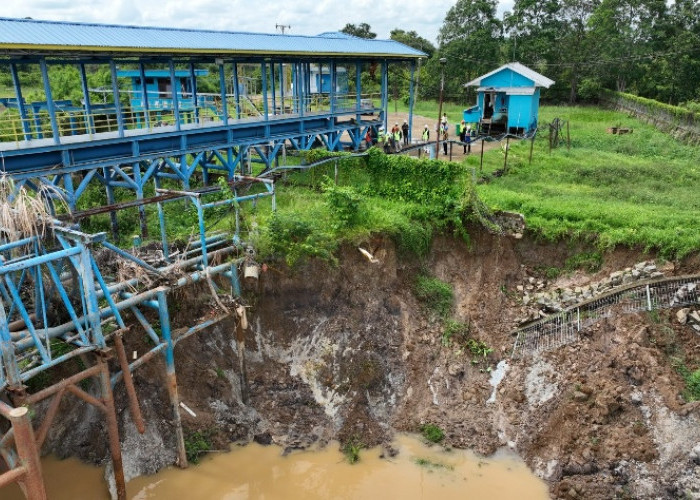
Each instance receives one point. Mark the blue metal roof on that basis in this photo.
(52, 36)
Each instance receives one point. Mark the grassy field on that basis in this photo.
(639, 189)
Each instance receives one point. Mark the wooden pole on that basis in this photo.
(568, 136)
(532, 145)
(505, 160)
(481, 164)
(451, 144)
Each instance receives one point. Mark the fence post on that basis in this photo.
(648, 298)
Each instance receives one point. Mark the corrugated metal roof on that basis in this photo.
(538, 79)
(49, 36)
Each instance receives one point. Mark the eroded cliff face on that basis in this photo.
(347, 352)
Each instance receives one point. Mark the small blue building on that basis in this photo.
(508, 99)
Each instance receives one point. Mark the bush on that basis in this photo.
(692, 386)
(436, 295)
(196, 444)
(351, 450)
(432, 433)
(589, 89)
(588, 261)
(345, 204)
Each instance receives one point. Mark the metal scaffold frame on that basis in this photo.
(564, 327)
(165, 140)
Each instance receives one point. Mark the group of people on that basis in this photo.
(465, 132)
(398, 136)
(394, 140)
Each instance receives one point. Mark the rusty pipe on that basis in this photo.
(48, 419)
(32, 482)
(112, 429)
(63, 384)
(91, 400)
(134, 407)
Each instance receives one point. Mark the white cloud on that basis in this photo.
(307, 17)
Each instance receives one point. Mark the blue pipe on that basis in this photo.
(51, 106)
(39, 259)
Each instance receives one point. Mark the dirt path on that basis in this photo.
(421, 121)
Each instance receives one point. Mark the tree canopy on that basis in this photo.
(362, 30)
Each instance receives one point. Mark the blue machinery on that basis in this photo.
(157, 135)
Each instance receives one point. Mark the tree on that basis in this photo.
(470, 40)
(626, 33)
(362, 30)
(533, 28)
(413, 39)
(678, 79)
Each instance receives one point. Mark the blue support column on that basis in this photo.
(144, 97)
(332, 77)
(49, 102)
(195, 97)
(358, 87)
(175, 88)
(161, 223)
(222, 85)
(20, 102)
(115, 93)
(264, 89)
(282, 78)
(236, 90)
(93, 308)
(7, 352)
(300, 88)
(202, 229)
(89, 119)
(411, 102)
(70, 198)
(385, 94)
(272, 85)
(136, 167)
(108, 175)
(307, 81)
(164, 318)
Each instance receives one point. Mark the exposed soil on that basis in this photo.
(349, 353)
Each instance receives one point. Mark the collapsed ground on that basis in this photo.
(348, 348)
(348, 352)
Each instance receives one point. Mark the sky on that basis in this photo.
(306, 17)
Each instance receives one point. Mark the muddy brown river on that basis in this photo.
(260, 472)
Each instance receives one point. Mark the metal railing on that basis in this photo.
(105, 119)
(563, 327)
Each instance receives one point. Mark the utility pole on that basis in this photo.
(443, 61)
(282, 27)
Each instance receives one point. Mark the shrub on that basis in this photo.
(588, 261)
(436, 295)
(432, 433)
(692, 386)
(196, 444)
(351, 449)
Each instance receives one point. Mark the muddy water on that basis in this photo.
(260, 472)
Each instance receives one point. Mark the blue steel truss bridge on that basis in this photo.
(146, 117)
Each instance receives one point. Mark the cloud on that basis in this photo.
(306, 17)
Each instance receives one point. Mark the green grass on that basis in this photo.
(435, 295)
(351, 449)
(638, 190)
(432, 433)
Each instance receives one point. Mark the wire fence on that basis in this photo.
(564, 327)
